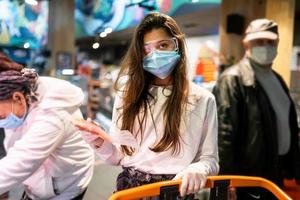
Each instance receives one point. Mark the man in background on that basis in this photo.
(2, 154)
(258, 131)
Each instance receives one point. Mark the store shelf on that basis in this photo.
(104, 121)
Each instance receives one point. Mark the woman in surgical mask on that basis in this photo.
(164, 127)
(44, 149)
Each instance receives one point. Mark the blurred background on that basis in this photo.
(83, 41)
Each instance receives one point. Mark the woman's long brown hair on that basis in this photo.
(136, 91)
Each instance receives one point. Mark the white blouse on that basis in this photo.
(198, 130)
(47, 153)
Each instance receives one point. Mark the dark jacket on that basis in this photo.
(2, 149)
(247, 127)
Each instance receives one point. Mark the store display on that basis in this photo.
(94, 17)
(204, 60)
(23, 25)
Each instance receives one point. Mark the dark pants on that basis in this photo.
(79, 197)
(130, 178)
(4, 196)
(2, 150)
(2, 154)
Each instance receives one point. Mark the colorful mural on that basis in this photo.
(93, 16)
(23, 24)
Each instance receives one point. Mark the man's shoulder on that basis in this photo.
(230, 73)
(241, 71)
(233, 70)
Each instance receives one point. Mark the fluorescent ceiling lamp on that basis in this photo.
(26, 45)
(31, 2)
(67, 72)
(96, 45)
(108, 30)
(103, 34)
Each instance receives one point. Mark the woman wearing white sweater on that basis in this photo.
(45, 151)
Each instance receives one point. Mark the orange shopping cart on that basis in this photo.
(169, 190)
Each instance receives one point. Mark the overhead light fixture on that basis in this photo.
(103, 34)
(31, 2)
(195, 1)
(26, 45)
(67, 72)
(96, 45)
(108, 30)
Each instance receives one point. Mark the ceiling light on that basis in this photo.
(96, 45)
(108, 30)
(103, 34)
(67, 72)
(31, 2)
(26, 45)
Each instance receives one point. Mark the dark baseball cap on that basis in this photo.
(261, 29)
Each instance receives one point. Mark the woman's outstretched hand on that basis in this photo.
(93, 128)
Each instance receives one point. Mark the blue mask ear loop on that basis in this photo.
(24, 115)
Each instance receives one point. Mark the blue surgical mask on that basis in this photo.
(161, 63)
(12, 121)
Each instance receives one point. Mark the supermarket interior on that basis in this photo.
(84, 42)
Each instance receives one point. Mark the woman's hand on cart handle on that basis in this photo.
(192, 181)
(92, 128)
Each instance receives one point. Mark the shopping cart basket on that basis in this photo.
(218, 185)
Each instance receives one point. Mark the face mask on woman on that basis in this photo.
(161, 63)
(263, 55)
(12, 121)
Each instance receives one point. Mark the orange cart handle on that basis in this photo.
(153, 189)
